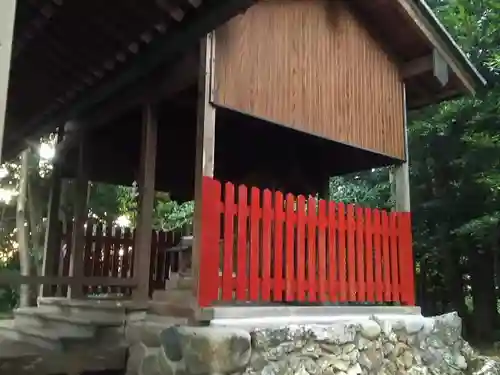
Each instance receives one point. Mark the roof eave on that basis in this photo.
(436, 33)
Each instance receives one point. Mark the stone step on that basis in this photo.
(172, 309)
(18, 349)
(172, 295)
(185, 282)
(148, 331)
(92, 308)
(42, 338)
(70, 326)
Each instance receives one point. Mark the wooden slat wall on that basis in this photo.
(312, 66)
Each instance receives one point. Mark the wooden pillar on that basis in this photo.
(400, 174)
(142, 244)
(52, 244)
(80, 217)
(324, 193)
(205, 143)
(7, 19)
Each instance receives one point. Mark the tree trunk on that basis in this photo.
(22, 232)
(36, 227)
(453, 279)
(484, 296)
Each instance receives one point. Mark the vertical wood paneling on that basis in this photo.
(311, 66)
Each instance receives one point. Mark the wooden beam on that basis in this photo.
(440, 68)
(159, 86)
(7, 19)
(52, 245)
(412, 10)
(431, 63)
(80, 217)
(447, 94)
(207, 17)
(399, 175)
(417, 67)
(173, 10)
(14, 278)
(37, 24)
(142, 244)
(205, 143)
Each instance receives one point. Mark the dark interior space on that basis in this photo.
(248, 150)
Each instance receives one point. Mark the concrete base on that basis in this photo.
(279, 315)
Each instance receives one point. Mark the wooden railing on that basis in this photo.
(286, 248)
(109, 260)
(109, 253)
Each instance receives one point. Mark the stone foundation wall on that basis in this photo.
(385, 346)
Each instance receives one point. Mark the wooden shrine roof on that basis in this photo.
(73, 56)
(69, 55)
(409, 31)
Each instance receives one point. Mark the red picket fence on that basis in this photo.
(109, 252)
(287, 248)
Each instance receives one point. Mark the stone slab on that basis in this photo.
(283, 314)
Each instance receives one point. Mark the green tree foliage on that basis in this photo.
(366, 189)
(106, 204)
(455, 181)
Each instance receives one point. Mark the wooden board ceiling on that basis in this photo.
(69, 55)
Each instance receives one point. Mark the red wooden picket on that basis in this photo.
(333, 281)
(360, 255)
(227, 266)
(208, 287)
(297, 251)
(386, 263)
(279, 218)
(290, 220)
(267, 215)
(393, 229)
(377, 230)
(407, 268)
(342, 253)
(322, 271)
(300, 259)
(241, 273)
(255, 215)
(312, 274)
(369, 255)
(351, 254)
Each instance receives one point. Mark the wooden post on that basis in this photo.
(7, 19)
(205, 144)
(52, 245)
(80, 217)
(325, 189)
(142, 244)
(400, 174)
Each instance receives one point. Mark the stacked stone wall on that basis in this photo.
(376, 346)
